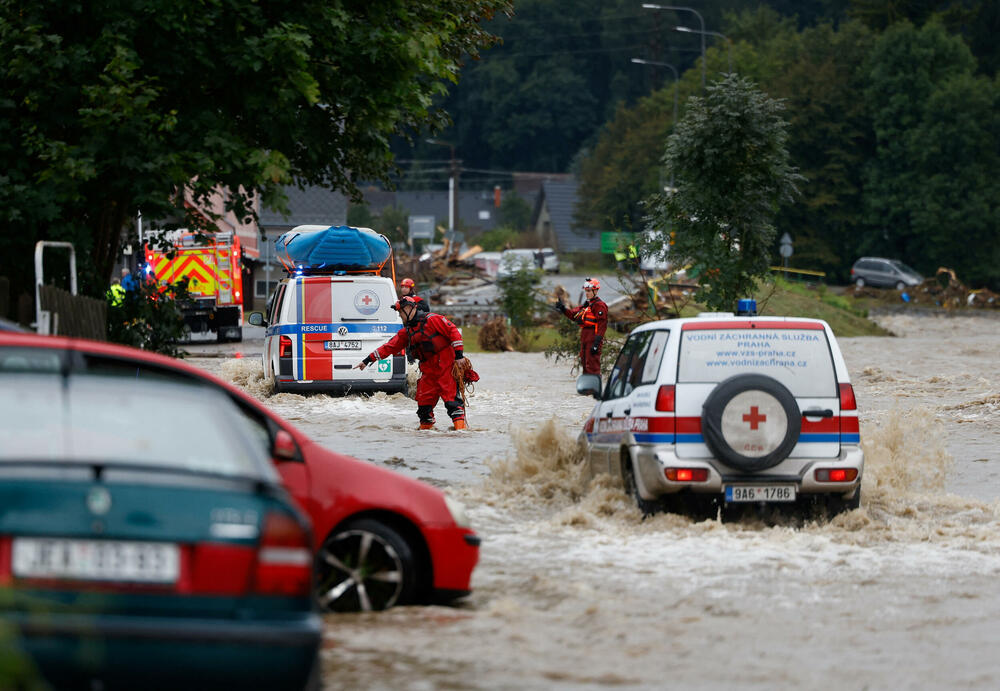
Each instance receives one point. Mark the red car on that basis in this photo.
(380, 538)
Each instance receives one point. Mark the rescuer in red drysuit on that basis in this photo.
(437, 344)
(592, 316)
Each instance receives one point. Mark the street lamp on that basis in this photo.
(452, 185)
(729, 44)
(640, 61)
(700, 19)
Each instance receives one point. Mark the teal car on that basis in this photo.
(146, 540)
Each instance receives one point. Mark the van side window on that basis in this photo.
(620, 381)
(656, 348)
(276, 299)
(633, 377)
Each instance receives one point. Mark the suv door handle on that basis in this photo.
(817, 413)
(627, 411)
(609, 414)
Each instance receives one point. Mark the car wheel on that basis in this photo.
(836, 504)
(364, 566)
(647, 507)
(751, 422)
(859, 282)
(900, 285)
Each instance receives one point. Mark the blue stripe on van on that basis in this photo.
(386, 328)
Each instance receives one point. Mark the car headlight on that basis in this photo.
(457, 511)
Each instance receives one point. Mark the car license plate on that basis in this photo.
(342, 345)
(738, 493)
(96, 560)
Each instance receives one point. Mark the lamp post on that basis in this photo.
(729, 44)
(452, 185)
(640, 61)
(700, 19)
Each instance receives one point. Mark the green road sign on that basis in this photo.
(611, 241)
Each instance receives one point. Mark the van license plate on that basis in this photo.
(342, 345)
(742, 493)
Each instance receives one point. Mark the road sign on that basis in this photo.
(611, 241)
(786, 246)
(421, 227)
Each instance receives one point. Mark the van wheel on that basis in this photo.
(751, 422)
(860, 283)
(647, 507)
(836, 504)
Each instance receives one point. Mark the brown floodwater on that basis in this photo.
(574, 590)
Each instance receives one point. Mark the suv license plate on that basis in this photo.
(342, 345)
(744, 493)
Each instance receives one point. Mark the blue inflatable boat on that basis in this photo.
(330, 248)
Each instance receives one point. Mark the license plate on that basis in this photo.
(342, 345)
(96, 560)
(738, 493)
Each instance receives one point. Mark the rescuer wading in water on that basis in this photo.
(592, 316)
(437, 344)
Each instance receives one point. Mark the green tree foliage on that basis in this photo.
(514, 211)
(930, 191)
(149, 319)
(517, 295)
(111, 108)
(733, 173)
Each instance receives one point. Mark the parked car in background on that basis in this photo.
(547, 260)
(884, 273)
(716, 410)
(380, 538)
(512, 261)
(146, 540)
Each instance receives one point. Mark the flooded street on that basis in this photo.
(574, 590)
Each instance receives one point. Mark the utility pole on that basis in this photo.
(456, 167)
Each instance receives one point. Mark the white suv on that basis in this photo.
(724, 409)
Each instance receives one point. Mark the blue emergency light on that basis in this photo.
(747, 307)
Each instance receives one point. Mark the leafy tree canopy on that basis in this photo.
(111, 108)
(733, 173)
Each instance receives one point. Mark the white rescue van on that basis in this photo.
(704, 412)
(320, 327)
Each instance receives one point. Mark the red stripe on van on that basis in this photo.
(752, 324)
(849, 425)
(688, 425)
(317, 308)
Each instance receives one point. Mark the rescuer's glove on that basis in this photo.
(369, 359)
(559, 306)
(594, 349)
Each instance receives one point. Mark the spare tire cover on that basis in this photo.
(751, 422)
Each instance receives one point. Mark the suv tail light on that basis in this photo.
(686, 474)
(284, 560)
(847, 400)
(665, 398)
(836, 474)
(284, 347)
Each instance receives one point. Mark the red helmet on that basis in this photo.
(405, 300)
(592, 283)
(408, 282)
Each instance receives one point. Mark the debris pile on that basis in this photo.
(943, 289)
(493, 336)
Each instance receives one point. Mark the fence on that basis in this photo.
(74, 315)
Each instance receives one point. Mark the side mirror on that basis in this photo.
(256, 319)
(284, 446)
(589, 385)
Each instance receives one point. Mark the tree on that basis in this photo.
(152, 105)
(514, 211)
(732, 174)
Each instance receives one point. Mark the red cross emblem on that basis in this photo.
(367, 300)
(754, 418)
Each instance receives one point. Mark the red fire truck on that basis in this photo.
(214, 280)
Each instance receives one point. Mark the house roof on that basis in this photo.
(311, 206)
(561, 199)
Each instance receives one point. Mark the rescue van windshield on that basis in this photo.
(797, 355)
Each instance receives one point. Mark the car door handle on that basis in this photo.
(817, 413)
(609, 414)
(627, 411)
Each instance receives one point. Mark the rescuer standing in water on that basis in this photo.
(592, 316)
(437, 344)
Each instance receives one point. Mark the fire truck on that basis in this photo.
(212, 267)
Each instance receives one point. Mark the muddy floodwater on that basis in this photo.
(574, 590)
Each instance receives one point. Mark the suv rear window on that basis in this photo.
(799, 358)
